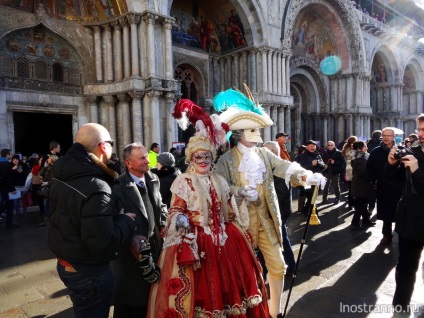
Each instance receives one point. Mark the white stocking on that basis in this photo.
(276, 291)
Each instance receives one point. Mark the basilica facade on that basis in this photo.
(323, 70)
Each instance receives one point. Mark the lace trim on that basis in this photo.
(234, 310)
(252, 167)
(241, 217)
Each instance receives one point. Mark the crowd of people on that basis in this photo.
(182, 237)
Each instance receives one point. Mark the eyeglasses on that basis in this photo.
(110, 142)
(202, 157)
(419, 130)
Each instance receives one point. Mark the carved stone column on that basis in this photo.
(244, 68)
(324, 125)
(236, 72)
(152, 119)
(171, 124)
(107, 62)
(264, 54)
(151, 51)
(167, 26)
(104, 113)
(98, 53)
(278, 73)
(117, 55)
(134, 21)
(280, 116)
(126, 46)
(137, 116)
(110, 101)
(288, 74)
(222, 73)
(93, 108)
(228, 71)
(349, 125)
(332, 90)
(287, 125)
(274, 117)
(267, 130)
(123, 122)
(275, 72)
(270, 70)
(284, 75)
(252, 70)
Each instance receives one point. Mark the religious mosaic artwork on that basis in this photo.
(215, 31)
(311, 39)
(75, 10)
(379, 70)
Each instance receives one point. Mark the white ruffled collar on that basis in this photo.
(251, 165)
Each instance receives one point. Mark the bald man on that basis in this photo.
(83, 233)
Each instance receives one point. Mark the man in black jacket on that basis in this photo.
(334, 162)
(138, 192)
(84, 233)
(6, 187)
(409, 171)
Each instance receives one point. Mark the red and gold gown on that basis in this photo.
(209, 269)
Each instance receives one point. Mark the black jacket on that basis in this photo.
(83, 229)
(409, 212)
(338, 164)
(6, 176)
(360, 186)
(166, 178)
(305, 160)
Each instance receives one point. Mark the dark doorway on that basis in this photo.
(34, 131)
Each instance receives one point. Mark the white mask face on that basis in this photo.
(252, 135)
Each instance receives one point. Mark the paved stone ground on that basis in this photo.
(342, 272)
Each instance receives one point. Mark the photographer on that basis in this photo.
(407, 168)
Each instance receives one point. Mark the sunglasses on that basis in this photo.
(110, 142)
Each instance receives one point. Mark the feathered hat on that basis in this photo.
(240, 111)
(210, 131)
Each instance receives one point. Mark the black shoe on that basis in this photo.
(337, 201)
(368, 224)
(355, 226)
(12, 227)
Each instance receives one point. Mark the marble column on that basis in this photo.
(137, 116)
(151, 51)
(123, 122)
(153, 119)
(275, 74)
(98, 53)
(215, 75)
(264, 54)
(104, 113)
(288, 127)
(280, 116)
(284, 76)
(244, 68)
(107, 62)
(252, 70)
(274, 117)
(270, 70)
(126, 47)
(236, 73)
(93, 108)
(278, 73)
(222, 73)
(167, 25)
(171, 124)
(288, 74)
(332, 97)
(324, 124)
(117, 52)
(267, 130)
(134, 21)
(110, 101)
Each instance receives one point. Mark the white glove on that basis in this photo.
(249, 193)
(316, 179)
(182, 222)
(43, 184)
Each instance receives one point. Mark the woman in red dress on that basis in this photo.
(208, 266)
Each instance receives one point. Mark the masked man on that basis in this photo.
(249, 171)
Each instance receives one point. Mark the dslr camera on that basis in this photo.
(401, 152)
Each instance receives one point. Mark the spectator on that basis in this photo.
(361, 186)
(6, 187)
(281, 138)
(36, 181)
(47, 174)
(153, 155)
(302, 197)
(167, 172)
(407, 143)
(20, 172)
(84, 233)
(115, 164)
(138, 192)
(388, 194)
(414, 140)
(374, 141)
(181, 163)
(284, 197)
(54, 148)
(334, 162)
(346, 152)
(409, 221)
(311, 160)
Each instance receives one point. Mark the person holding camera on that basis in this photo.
(136, 268)
(334, 162)
(407, 168)
(387, 193)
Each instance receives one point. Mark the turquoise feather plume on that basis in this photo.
(233, 98)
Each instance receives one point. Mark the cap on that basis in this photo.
(166, 159)
(281, 134)
(311, 142)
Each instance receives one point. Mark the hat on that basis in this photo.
(280, 134)
(166, 159)
(311, 142)
(239, 111)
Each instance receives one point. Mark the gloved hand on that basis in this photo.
(43, 184)
(317, 179)
(139, 246)
(151, 271)
(182, 222)
(248, 192)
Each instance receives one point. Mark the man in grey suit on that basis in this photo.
(138, 192)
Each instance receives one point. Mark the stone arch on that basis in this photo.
(385, 54)
(341, 17)
(198, 79)
(417, 71)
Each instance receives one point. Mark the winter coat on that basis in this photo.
(409, 212)
(166, 178)
(388, 194)
(6, 176)
(348, 159)
(360, 186)
(83, 228)
(305, 160)
(337, 166)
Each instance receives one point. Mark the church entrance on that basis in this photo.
(34, 131)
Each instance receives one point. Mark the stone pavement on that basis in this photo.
(342, 272)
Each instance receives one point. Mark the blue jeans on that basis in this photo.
(406, 269)
(90, 289)
(287, 249)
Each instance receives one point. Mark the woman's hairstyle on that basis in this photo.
(358, 145)
(348, 144)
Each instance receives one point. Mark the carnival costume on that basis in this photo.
(208, 266)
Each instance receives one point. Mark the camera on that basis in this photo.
(401, 152)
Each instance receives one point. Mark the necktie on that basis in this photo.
(142, 185)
